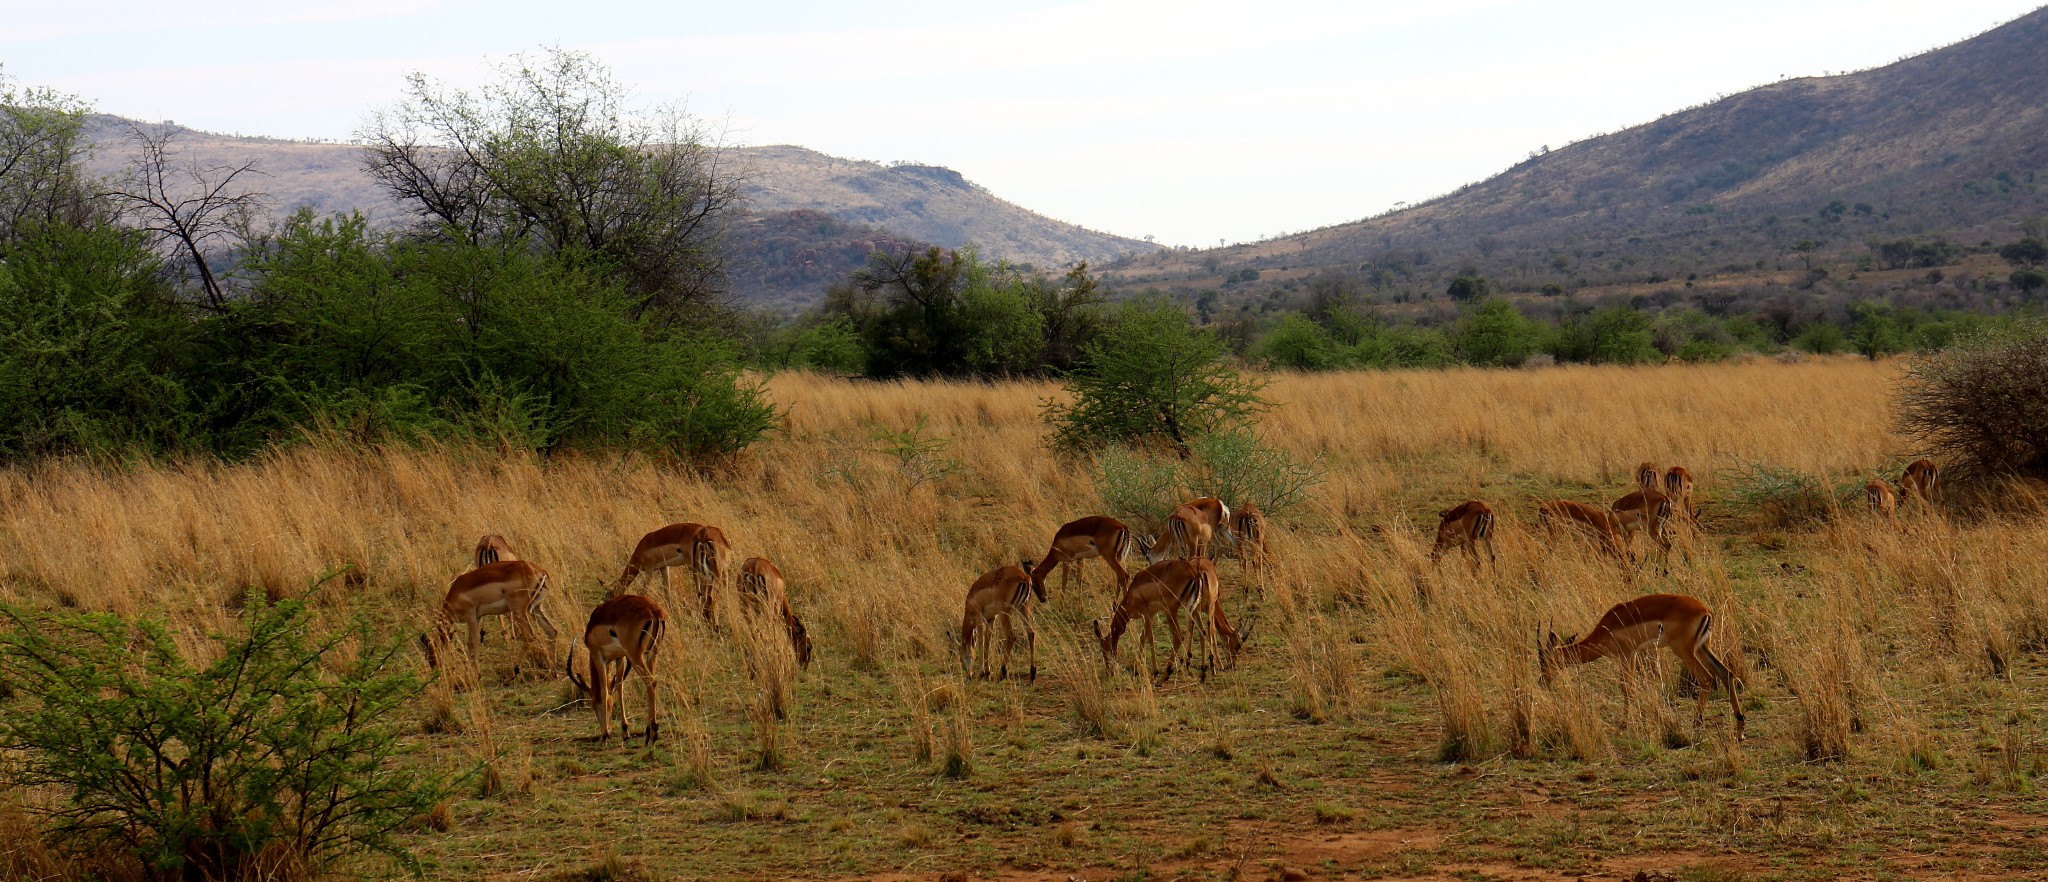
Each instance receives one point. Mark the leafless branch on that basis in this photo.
(191, 210)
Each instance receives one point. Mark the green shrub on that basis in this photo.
(283, 749)
(1299, 343)
(1238, 467)
(1821, 338)
(1141, 489)
(1153, 379)
(1785, 497)
(89, 340)
(1494, 334)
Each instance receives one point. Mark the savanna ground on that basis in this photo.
(1384, 722)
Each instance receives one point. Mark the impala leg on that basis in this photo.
(602, 700)
(476, 641)
(1172, 625)
(619, 690)
(1030, 642)
(1009, 640)
(1151, 650)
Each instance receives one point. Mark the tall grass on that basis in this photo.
(878, 560)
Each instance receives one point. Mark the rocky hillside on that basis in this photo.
(1951, 143)
(813, 213)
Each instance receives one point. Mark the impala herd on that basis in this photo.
(1180, 581)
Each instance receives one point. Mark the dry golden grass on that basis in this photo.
(1901, 650)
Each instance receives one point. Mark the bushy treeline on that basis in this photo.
(939, 312)
(1496, 332)
(553, 292)
(944, 313)
(343, 329)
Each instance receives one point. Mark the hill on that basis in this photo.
(1944, 144)
(811, 214)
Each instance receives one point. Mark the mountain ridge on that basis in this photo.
(1949, 141)
(792, 193)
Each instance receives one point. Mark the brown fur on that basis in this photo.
(624, 631)
(1603, 526)
(1465, 526)
(511, 588)
(1000, 595)
(1645, 623)
(701, 549)
(1093, 537)
(762, 588)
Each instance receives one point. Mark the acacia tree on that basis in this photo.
(552, 154)
(1153, 378)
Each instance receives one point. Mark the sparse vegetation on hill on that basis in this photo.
(1789, 203)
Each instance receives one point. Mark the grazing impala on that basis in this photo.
(762, 589)
(1645, 623)
(1000, 595)
(508, 588)
(1465, 526)
(1188, 530)
(1678, 486)
(1204, 603)
(1604, 526)
(701, 548)
(1883, 502)
(1248, 532)
(1647, 475)
(1093, 537)
(493, 548)
(1646, 511)
(624, 631)
(1159, 590)
(1919, 480)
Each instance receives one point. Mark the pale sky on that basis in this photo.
(1190, 121)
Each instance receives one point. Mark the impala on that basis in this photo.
(1159, 590)
(1645, 623)
(1093, 537)
(1678, 486)
(1205, 617)
(701, 548)
(1647, 475)
(761, 587)
(493, 548)
(1000, 595)
(1919, 480)
(1646, 511)
(1604, 526)
(1188, 530)
(1465, 526)
(508, 588)
(624, 631)
(1248, 532)
(1883, 502)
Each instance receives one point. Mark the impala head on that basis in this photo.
(1548, 650)
(800, 640)
(1109, 639)
(1233, 640)
(1154, 547)
(1037, 584)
